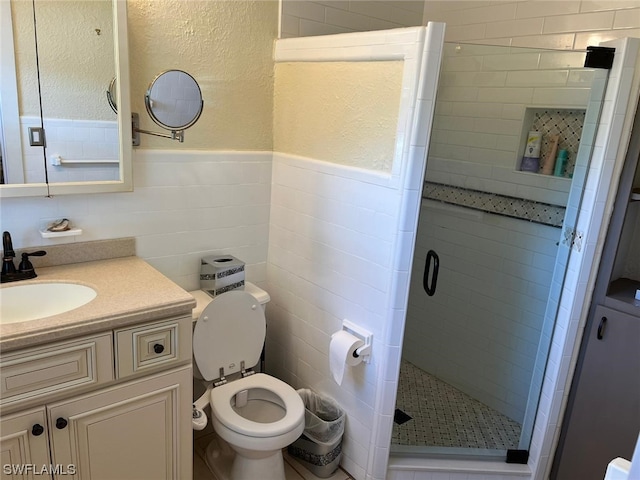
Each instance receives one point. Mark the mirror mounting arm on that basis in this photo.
(174, 135)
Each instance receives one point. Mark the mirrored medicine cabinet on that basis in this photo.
(59, 135)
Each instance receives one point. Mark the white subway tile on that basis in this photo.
(467, 32)
(597, 5)
(629, 18)
(511, 62)
(304, 9)
(556, 60)
(310, 28)
(290, 25)
(404, 17)
(352, 21)
(483, 14)
(562, 41)
(506, 95)
(537, 78)
(515, 28)
(536, 9)
(579, 22)
(578, 97)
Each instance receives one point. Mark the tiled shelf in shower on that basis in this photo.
(566, 122)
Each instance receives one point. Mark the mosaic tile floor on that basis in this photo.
(442, 416)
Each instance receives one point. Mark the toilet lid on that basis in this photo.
(231, 329)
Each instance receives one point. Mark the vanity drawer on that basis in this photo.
(59, 367)
(147, 347)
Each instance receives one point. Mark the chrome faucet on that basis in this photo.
(25, 268)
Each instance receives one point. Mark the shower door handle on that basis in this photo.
(430, 286)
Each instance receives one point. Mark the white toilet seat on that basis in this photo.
(292, 404)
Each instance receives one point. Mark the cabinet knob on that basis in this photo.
(158, 348)
(37, 430)
(61, 423)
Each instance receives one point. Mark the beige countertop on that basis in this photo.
(129, 291)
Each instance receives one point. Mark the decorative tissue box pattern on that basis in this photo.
(221, 273)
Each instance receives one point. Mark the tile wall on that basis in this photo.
(341, 244)
(71, 139)
(480, 331)
(304, 18)
(566, 24)
(331, 244)
(477, 143)
(185, 205)
(479, 126)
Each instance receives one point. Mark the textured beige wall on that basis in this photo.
(227, 46)
(338, 112)
(76, 64)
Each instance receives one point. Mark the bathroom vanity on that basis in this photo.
(102, 391)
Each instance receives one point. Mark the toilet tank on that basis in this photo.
(203, 298)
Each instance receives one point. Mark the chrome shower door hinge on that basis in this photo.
(572, 238)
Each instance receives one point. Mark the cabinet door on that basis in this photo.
(23, 445)
(137, 430)
(605, 417)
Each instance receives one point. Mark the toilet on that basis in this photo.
(256, 415)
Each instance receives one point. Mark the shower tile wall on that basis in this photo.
(480, 331)
(571, 24)
(478, 129)
(496, 271)
(308, 18)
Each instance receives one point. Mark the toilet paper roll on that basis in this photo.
(341, 353)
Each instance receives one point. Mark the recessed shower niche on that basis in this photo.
(549, 121)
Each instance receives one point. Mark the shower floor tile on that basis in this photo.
(443, 416)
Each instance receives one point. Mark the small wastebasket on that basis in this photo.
(319, 449)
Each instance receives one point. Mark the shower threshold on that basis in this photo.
(445, 421)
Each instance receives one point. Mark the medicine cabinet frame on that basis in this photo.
(125, 181)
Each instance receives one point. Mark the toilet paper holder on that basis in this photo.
(366, 336)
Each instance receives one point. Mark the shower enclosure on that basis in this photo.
(492, 245)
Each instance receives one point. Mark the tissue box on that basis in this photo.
(221, 273)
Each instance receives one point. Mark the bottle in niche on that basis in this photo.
(531, 159)
(561, 163)
(546, 168)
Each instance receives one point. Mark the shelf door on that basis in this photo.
(605, 418)
(23, 445)
(138, 430)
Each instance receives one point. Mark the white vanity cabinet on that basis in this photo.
(113, 405)
(24, 441)
(131, 431)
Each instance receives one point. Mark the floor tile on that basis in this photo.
(443, 416)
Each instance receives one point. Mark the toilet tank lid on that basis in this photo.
(203, 298)
(259, 294)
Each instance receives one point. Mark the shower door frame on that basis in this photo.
(613, 131)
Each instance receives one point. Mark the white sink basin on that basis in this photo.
(38, 300)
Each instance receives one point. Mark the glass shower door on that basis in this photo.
(501, 228)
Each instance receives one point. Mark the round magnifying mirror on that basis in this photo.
(174, 100)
